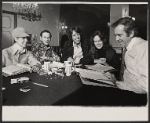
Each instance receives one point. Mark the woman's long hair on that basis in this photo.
(102, 36)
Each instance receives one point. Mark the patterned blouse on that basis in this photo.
(39, 49)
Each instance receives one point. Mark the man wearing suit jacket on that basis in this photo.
(136, 57)
(74, 50)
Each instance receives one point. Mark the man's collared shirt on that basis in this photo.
(14, 54)
(136, 60)
(77, 50)
(78, 54)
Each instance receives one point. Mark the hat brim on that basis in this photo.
(23, 35)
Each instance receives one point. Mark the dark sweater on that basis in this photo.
(109, 53)
(100, 53)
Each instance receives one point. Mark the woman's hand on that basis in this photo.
(101, 61)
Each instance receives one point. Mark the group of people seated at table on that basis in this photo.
(74, 50)
(85, 52)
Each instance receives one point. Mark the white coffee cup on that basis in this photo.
(68, 70)
(68, 67)
(46, 66)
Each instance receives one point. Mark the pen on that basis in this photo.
(40, 84)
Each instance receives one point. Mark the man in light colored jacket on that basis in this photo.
(17, 53)
(136, 57)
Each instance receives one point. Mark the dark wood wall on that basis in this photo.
(139, 11)
(88, 17)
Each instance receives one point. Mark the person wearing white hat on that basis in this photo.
(17, 53)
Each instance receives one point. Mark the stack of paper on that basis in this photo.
(99, 67)
(100, 77)
(15, 69)
(95, 83)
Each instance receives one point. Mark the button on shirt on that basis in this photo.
(78, 54)
(136, 72)
(14, 54)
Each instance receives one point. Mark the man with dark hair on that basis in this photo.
(42, 50)
(50, 35)
(72, 50)
(75, 49)
(136, 57)
(17, 53)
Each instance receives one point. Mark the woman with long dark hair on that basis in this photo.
(101, 52)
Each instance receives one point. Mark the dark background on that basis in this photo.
(96, 17)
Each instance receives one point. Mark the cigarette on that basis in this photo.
(40, 84)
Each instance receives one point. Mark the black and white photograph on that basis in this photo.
(74, 61)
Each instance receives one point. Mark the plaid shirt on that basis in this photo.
(40, 49)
